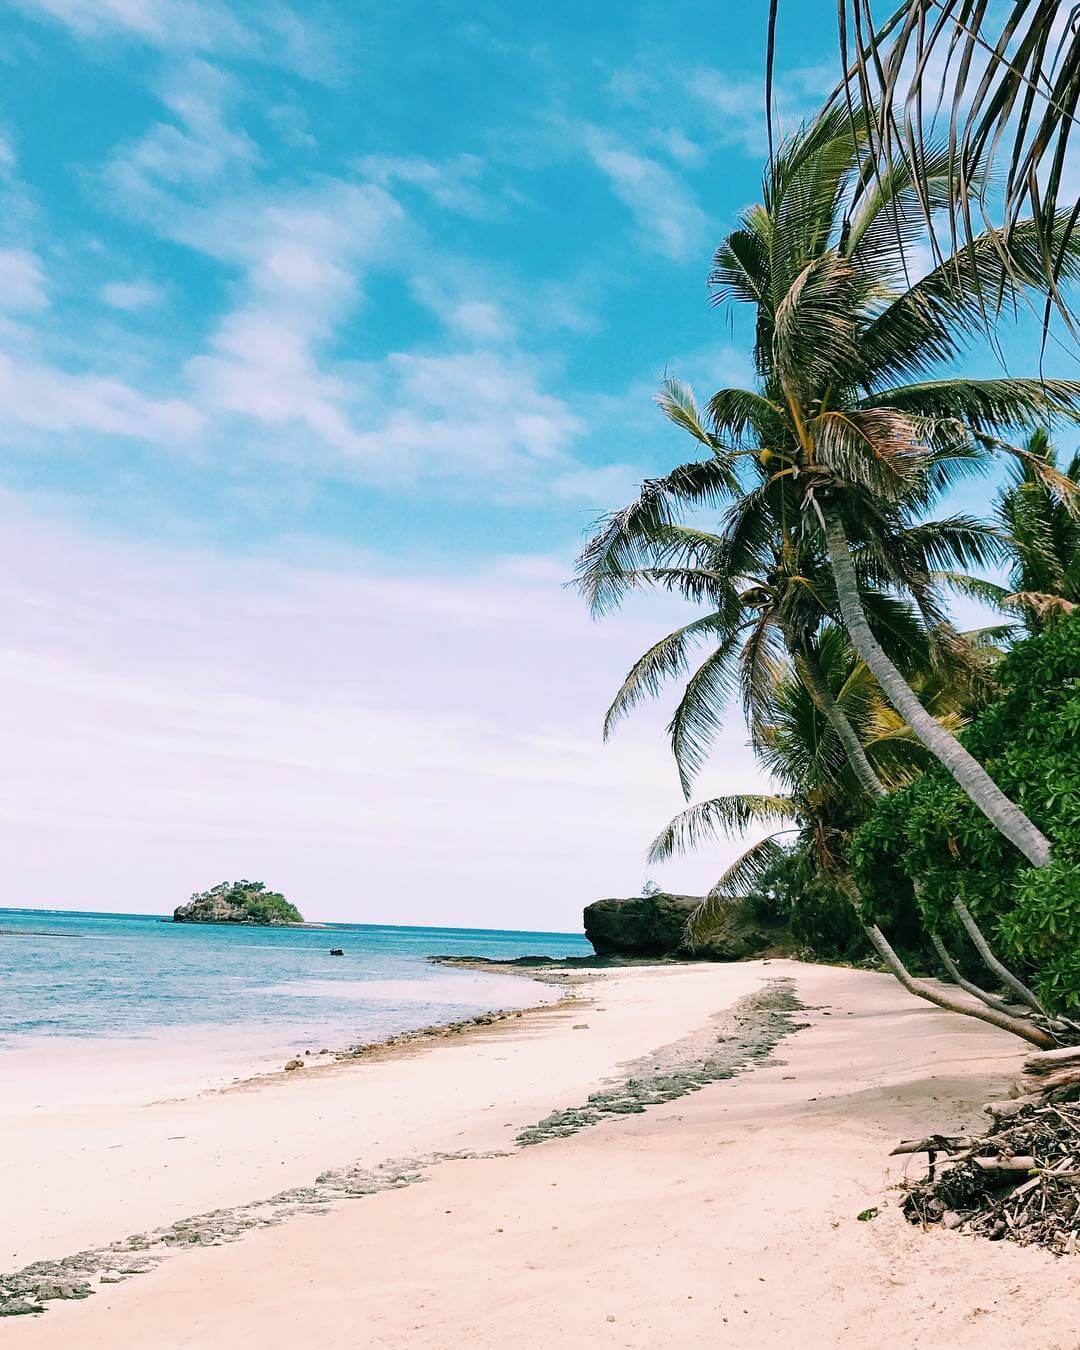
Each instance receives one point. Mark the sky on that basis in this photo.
(325, 332)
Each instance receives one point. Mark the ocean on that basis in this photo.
(76, 976)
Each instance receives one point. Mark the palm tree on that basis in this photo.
(769, 591)
(770, 604)
(819, 794)
(837, 325)
(1007, 86)
(1042, 545)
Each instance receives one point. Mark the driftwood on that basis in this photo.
(1020, 1182)
(936, 1143)
(1053, 1070)
(1050, 1061)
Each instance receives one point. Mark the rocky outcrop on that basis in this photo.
(246, 902)
(655, 926)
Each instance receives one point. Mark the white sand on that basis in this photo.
(724, 1219)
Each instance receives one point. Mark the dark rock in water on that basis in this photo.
(246, 902)
(337, 951)
(655, 925)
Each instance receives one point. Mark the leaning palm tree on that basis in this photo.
(818, 802)
(768, 592)
(1041, 538)
(836, 417)
(1005, 81)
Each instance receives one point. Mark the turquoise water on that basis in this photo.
(66, 974)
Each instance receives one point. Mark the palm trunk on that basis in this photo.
(1022, 992)
(991, 1000)
(1006, 1021)
(838, 720)
(965, 769)
(1018, 1026)
(874, 787)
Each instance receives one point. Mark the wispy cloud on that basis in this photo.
(194, 148)
(22, 281)
(669, 219)
(455, 184)
(267, 31)
(132, 295)
(734, 104)
(49, 399)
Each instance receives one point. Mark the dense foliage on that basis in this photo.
(252, 897)
(931, 832)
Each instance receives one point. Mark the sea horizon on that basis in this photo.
(166, 917)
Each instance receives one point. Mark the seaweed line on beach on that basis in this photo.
(27, 1290)
(744, 1035)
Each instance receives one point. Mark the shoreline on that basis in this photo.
(161, 1155)
(710, 1124)
(746, 1034)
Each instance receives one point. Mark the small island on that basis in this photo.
(238, 902)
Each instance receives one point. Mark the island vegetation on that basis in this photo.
(238, 902)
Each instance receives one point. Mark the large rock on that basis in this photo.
(655, 925)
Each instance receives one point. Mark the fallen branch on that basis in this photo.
(1019, 1182)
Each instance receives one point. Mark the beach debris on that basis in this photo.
(1053, 1071)
(1019, 1183)
(294, 1064)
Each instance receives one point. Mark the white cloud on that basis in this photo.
(22, 281)
(668, 217)
(194, 149)
(383, 747)
(452, 184)
(186, 23)
(47, 399)
(479, 320)
(131, 295)
(302, 255)
(441, 414)
(8, 158)
(266, 31)
(463, 413)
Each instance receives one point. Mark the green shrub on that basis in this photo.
(1028, 738)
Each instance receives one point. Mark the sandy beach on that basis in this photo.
(727, 1215)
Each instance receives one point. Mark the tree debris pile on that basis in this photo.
(1019, 1182)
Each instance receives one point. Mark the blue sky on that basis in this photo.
(358, 270)
(325, 330)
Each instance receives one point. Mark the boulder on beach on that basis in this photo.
(655, 925)
(238, 902)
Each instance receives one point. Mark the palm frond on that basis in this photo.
(621, 540)
(741, 879)
(984, 405)
(1010, 81)
(701, 711)
(719, 818)
(665, 660)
